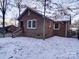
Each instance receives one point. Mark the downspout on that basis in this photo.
(66, 29)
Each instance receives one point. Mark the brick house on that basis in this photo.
(31, 25)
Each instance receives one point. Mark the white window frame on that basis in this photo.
(58, 27)
(31, 24)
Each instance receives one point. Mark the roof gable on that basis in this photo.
(28, 8)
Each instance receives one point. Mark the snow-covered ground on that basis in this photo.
(31, 48)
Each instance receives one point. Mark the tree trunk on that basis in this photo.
(3, 23)
(44, 20)
(3, 12)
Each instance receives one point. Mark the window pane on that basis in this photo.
(34, 24)
(29, 24)
(56, 25)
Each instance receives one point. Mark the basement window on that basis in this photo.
(31, 24)
(56, 26)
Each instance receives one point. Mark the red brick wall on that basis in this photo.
(61, 31)
(39, 28)
(38, 32)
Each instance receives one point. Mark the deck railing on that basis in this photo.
(17, 32)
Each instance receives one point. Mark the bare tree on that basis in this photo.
(3, 8)
(18, 5)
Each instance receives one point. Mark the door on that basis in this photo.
(21, 26)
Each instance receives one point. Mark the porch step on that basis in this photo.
(16, 33)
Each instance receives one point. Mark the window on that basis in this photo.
(56, 26)
(31, 24)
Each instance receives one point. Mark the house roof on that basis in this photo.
(31, 10)
(58, 18)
